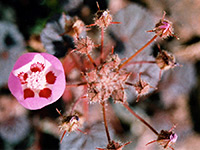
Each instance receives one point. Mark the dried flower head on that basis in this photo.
(141, 87)
(37, 80)
(84, 45)
(107, 81)
(73, 26)
(165, 60)
(163, 28)
(103, 18)
(70, 123)
(166, 138)
(114, 146)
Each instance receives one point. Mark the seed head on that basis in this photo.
(107, 81)
(165, 60)
(73, 26)
(163, 28)
(84, 45)
(103, 18)
(114, 146)
(166, 138)
(141, 87)
(70, 123)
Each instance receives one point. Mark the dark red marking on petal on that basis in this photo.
(46, 93)
(23, 76)
(28, 93)
(37, 67)
(50, 77)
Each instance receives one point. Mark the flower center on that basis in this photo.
(36, 80)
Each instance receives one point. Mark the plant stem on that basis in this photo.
(135, 54)
(102, 40)
(74, 105)
(75, 85)
(86, 108)
(142, 120)
(143, 62)
(92, 61)
(105, 122)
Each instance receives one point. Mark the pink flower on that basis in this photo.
(37, 80)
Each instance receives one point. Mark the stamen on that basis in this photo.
(36, 81)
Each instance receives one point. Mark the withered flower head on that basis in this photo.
(70, 123)
(103, 18)
(165, 60)
(163, 28)
(114, 146)
(141, 87)
(166, 138)
(73, 26)
(84, 45)
(107, 81)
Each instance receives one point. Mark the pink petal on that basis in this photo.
(55, 82)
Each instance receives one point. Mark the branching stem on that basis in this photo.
(135, 54)
(75, 104)
(102, 44)
(92, 61)
(75, 85)
(105, 122)
(142, 120)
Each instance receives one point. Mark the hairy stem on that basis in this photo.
(135, 54)
(102, 40)
(74, 105)
(143, 62)
(91, 60)
(75, 85)
(142, 120)
(105, 122)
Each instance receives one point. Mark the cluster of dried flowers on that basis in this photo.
(38, 79)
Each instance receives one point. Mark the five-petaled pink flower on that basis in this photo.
(37, 80)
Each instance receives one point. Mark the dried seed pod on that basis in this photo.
(165, 60)
(84, 45)
(73, 26)
(141, 87)
(107, 81)
(103, 18)
(163, 28)
(114, 146)
(70, 123)
(166, 138)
